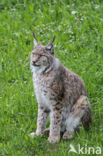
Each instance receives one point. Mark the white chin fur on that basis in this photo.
(36, 69)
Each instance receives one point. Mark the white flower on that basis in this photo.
(96, 6)
(73, 12)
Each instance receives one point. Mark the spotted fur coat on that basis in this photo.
(60, 93)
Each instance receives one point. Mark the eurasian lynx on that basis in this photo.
(60, 93)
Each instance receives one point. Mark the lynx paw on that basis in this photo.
(53, 139)
(68, 135)
(34, 134)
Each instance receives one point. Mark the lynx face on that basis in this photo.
(42, 57)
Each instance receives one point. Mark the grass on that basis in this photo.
(79, 46)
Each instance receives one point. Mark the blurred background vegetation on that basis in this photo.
(78, 26)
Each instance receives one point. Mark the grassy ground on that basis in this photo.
(78, 26)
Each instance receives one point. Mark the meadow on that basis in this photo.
(78, 27)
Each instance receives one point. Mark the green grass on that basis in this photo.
(78, 45)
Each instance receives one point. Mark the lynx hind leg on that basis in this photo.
(78, 113)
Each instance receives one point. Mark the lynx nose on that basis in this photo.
(33, 63)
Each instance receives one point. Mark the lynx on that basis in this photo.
(60, 93)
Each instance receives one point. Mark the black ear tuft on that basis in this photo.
(53, 39)
(35, 41)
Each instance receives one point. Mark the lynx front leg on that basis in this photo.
(41, 121)
(55, 121)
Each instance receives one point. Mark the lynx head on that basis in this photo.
(42, 56)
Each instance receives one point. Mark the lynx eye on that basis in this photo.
(33, 52)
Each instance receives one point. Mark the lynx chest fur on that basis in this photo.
(43, 91)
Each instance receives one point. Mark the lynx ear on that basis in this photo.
(35, 41)
(50, 47)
